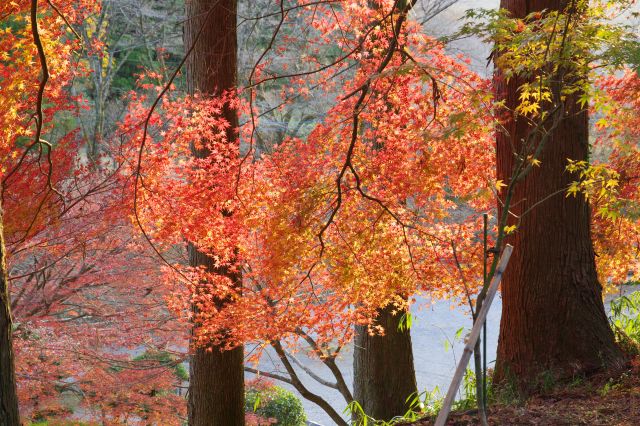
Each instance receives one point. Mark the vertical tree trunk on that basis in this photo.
(383, 371)
(9, 414)
(216, 377)
(553, 319)
(216, 386)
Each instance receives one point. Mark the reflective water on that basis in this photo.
(435, 350)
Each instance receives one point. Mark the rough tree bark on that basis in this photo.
(383, 372)
(9, 414)
(553, 319)
(216, 386)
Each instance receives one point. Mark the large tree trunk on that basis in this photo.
(383, 371)
(216, 377)
(9, 415)
(216, 386)
(553, 319)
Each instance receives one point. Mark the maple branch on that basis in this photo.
(311, 72)
(342, 58)
(39, 116)
(269, 375)
(435, 91)
(297, 96)
(303, 390)
(289, 9)
(330, 361)
(64, 18)
(311, 373)
(45, 266)
(68, 202)
(251, 91)
(251, 85)
(39, 119)
(363, 89)
(462, 278)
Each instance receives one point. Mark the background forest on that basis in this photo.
(230, 212)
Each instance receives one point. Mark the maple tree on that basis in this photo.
(22, 93)
(70, 248)
(611, 182)
(303, 285)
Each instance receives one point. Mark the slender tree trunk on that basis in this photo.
(553, 320)
(98, 128)
(9, 414)
(216, 386)
(383, 371)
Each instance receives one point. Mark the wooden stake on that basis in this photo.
(473, 337)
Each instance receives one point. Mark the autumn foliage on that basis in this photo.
(315, 254)
(85, 290)
(614, 183)
(381, 201)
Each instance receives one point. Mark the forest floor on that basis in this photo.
(599, 400)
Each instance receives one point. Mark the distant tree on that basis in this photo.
(429, 9)
(122, 39)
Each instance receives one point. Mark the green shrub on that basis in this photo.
(166, 359)
(277, 403)
(468, 389)
(625, 320)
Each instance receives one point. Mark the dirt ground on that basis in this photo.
(600, 400)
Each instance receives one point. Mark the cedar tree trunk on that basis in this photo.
(553, 320)
(383, 372)
(216, 382)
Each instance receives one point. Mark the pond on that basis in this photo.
(435, 350)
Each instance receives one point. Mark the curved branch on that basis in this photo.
(306, 393)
